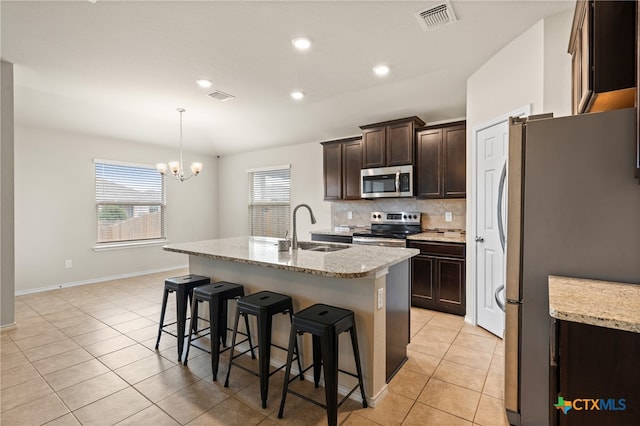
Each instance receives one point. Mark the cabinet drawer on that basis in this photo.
(438, 249)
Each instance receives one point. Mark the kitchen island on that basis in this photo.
(371, 281)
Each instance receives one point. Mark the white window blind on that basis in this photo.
(269, 203)
(130, 202)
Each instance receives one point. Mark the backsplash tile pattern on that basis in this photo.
(432, 211)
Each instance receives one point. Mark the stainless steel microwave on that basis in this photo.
(387, 182)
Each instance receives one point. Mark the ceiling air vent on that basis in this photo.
(436, 16)
(221, 96)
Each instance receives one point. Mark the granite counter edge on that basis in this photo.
(291, 268)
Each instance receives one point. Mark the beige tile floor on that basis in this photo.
(85, 355)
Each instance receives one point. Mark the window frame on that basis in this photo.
(162, 204)
(253, 204)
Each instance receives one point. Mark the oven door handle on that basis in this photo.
(372, 241)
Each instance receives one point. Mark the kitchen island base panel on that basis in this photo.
(357, 294)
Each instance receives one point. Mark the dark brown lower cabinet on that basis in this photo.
(438, 277)
(597, 370)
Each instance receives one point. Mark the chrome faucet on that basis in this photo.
(294, 241)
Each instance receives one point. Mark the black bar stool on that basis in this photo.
(325, 323)
(217, 294)
(183, 287)
(263, 305)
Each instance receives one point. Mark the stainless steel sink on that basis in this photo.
(322, 247)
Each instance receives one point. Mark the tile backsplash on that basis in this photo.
(433, 211)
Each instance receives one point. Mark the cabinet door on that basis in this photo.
(598, 362)
(455, 161)
(429, 164)
(400, 144)
(422, 281)
(451, 285)
(586, 76)
(351, 165)
(373, 147)
(332, 165)
(576, 76)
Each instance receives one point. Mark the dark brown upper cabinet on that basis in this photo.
(603, 50)
(441, 166)
(342, 161)
(390, 143)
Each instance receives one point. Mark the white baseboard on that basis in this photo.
(99, 280)
(8, 327)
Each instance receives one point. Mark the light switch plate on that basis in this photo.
(448, 217)
(380, 298)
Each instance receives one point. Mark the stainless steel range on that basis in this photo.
(389, 229)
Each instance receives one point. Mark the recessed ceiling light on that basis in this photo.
(203, 83)
(381, 70)
(297, 95)
(301, 43)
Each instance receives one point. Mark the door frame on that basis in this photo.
(472, 206)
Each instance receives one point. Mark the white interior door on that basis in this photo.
(492, 145)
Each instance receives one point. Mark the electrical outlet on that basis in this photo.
(68, 263)
(380, 298)
(448, 217)
(349, 215)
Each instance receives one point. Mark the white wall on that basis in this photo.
(534, 69)
(306, 187)
(557, 64)
(55, 209)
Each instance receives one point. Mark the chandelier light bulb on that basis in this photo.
(177, 171)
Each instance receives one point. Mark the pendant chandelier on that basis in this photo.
(175, 167)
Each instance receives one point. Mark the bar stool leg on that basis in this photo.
(233, 346)
(296, 346)
(194, 313)
(317, 360)
(165, 296)
(181, 309)
(287, 373)
(191, 331)
(356, 354)
(246, 324)
(222, 323)
(330, 358)
(264, 353)
(214, 323)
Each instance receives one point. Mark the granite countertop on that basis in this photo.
(355, 261)
(601, 303)
(441, 237)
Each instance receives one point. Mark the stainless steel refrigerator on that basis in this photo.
(573, 209)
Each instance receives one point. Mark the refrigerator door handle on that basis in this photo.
(503, 178)
(498, 301)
